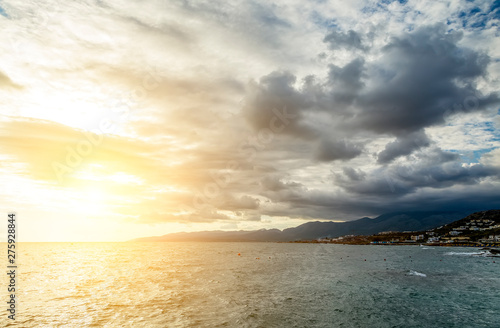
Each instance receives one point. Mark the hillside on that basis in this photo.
(400, 221)
(477, 229)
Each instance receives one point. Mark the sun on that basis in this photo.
(91, 201)
(83, 108)
(91, 195)
(96, 188)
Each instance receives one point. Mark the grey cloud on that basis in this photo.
(398, 180)
(274, 183)
(348, 40)
(397, 94)
(238, 204)
(418, 78)
(331, 205)
(409, 87)
(336, 150)
(415, 82)
(449, 174)
(276, 91)
(435, 155)
(346, 82)
(403, 145)
(208, 215)
(302, 104)
(258, 24)
(354, 174)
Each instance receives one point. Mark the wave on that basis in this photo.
(465, 253)
(416, 273)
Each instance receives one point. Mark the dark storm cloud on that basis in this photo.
(316, 204)
(414, 82)
(346, 82)
(419, 77)
(397, 180)
(417, 81)
(330, 150)
(397, 189)
(403, 145)
(354, 174)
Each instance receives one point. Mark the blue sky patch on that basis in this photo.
(3, 13)
(320, 20)
(478, 19)
(403, 2)
(495, 9)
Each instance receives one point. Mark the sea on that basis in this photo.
(252, 285)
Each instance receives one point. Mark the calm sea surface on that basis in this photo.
(268, 285)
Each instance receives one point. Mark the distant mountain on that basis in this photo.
(257, 235)
(398, 221)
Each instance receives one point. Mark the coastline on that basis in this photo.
(493, 245)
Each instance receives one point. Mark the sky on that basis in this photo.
(124, 119)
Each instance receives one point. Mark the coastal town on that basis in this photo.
(473, 231)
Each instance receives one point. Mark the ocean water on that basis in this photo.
(267, 285)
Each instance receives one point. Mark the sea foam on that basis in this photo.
(416, 273)
(465, 253)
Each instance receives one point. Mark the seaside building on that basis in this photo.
(417, 237)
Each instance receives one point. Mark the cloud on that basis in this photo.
(155, 217)
(437, 171)
(237, 111)
(6, 82)
(404, 145)
(336, 150)
(348, 40)
(419, 77)
(239, 203)
(39, 144)
(492, 158)
(276, 93)
(416, 82)
(273, 183)
(346, 82)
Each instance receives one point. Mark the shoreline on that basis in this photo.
(494, 245)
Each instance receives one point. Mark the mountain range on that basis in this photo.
(398, 221)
